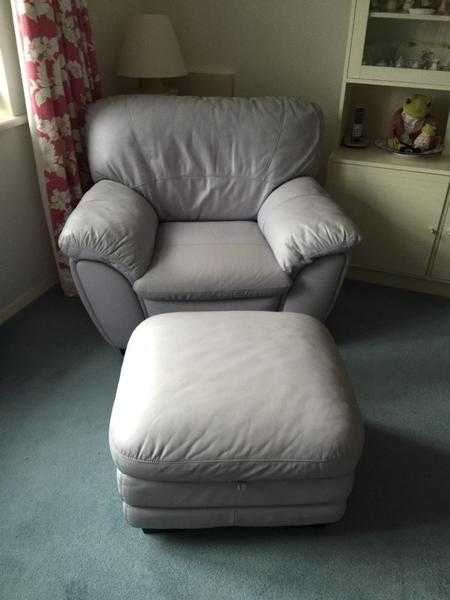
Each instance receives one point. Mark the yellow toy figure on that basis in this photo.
(410, 122)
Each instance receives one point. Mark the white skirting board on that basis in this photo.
(24, 299)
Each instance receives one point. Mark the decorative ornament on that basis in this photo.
(414, 120)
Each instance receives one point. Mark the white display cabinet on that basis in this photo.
(400, 204)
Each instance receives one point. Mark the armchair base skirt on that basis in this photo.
(239, 516)
(117, 310)
(316, 287)
(109, 300)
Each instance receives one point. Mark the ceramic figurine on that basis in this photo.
(410, 121)
(427, 3)
(408, 4)
(400, 62)
(443, 8)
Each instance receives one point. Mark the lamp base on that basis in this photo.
(156, 86)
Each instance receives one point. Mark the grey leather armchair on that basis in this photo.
(204, 204)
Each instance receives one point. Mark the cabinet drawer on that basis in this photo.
(396, 211)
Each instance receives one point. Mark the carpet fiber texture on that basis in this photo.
(62, 532)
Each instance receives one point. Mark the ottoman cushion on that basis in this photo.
(237, 396)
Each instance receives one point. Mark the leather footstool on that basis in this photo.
(233, 419)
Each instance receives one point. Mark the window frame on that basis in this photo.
(12, 102)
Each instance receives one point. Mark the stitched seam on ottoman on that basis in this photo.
(232, 460)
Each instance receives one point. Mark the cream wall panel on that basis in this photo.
(396, 212)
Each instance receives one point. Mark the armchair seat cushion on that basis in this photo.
(220, 260)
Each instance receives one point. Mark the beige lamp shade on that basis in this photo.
(151, 49)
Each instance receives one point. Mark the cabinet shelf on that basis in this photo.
(407, 16)
(375, 157)
(399, 82)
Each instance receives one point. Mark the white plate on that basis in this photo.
(383, 146)
(422, 11)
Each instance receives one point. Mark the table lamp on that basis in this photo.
(151, 52)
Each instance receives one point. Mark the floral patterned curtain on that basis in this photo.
(60, 71)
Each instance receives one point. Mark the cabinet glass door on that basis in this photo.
(389, 44)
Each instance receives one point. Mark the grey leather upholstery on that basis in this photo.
(261, 492)
(316, 287)
(213, 410)
(113, 305)
(262, 503)
(217, 260)
(112, 224)
(203, 159)
(302, 223)
(235, 516)
(200, 201)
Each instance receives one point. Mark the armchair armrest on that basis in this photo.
(112, 224)
(301, 223)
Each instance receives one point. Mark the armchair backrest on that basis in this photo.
(203, 158)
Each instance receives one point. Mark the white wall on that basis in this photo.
(26, 263)
(277, 47)
(109, 19)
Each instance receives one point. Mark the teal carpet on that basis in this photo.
(62, 534)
